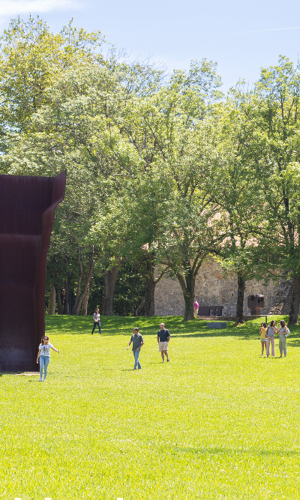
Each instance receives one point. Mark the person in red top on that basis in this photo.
(196, 307)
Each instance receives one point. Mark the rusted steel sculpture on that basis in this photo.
(256, 304)
(210, 310)
(27, 206)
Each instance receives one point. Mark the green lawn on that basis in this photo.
(218, 422)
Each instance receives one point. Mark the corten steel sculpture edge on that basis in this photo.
(58, 194)
(27, 208)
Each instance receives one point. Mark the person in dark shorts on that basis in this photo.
(137, 342)
(163, 337)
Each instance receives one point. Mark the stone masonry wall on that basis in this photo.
(212, 289)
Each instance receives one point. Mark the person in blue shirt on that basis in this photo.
(137, 342)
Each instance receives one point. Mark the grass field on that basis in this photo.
(218, 422)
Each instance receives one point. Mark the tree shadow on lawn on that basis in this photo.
(120, 325)
(218, 333)
(294, 342)
(26, 374)
(237, 335)
(110, 325)
(115, 325)
(232, 451)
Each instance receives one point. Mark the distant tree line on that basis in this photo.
(163, 170)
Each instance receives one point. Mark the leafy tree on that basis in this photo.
(172, 145)
(130, 285)
(237, 192)
(32, 59)
(77, 130)
(275, 111)
(61, 137)
(158, 172)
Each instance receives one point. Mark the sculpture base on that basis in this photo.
(216, 324)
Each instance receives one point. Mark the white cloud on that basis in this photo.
(16, 7)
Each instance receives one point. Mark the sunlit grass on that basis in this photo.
(218, 422)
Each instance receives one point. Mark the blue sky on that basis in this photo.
(241, 36)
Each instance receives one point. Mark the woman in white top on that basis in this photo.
(44, 356)
(96, 321)
(271, 338)
(283, 334)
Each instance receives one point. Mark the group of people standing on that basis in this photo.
(267, 337)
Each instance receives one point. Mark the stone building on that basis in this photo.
(213, 288)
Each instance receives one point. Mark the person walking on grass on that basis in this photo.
(96, 321)
(283, 334)
(44, 356)
(263, 337)
(137, 342)
(271, 338)
(163, 337)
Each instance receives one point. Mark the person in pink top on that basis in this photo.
(196, 307)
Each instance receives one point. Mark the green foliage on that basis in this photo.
(162, 164)
(273, 109)
(237, 191)
(31, 59)
(130, 288)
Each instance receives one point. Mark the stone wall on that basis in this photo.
(212, 289)
(283, 298)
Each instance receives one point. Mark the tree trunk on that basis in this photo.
(294, 309)
(139, 307)
(75, 308)
(110, 278)
(187, 284)
(66, 303)
(149, 295)
(87, 283)
(59, 304)
(85, 302)
(150, 282)
(149, 285)
(51, 306)
(240, 300)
